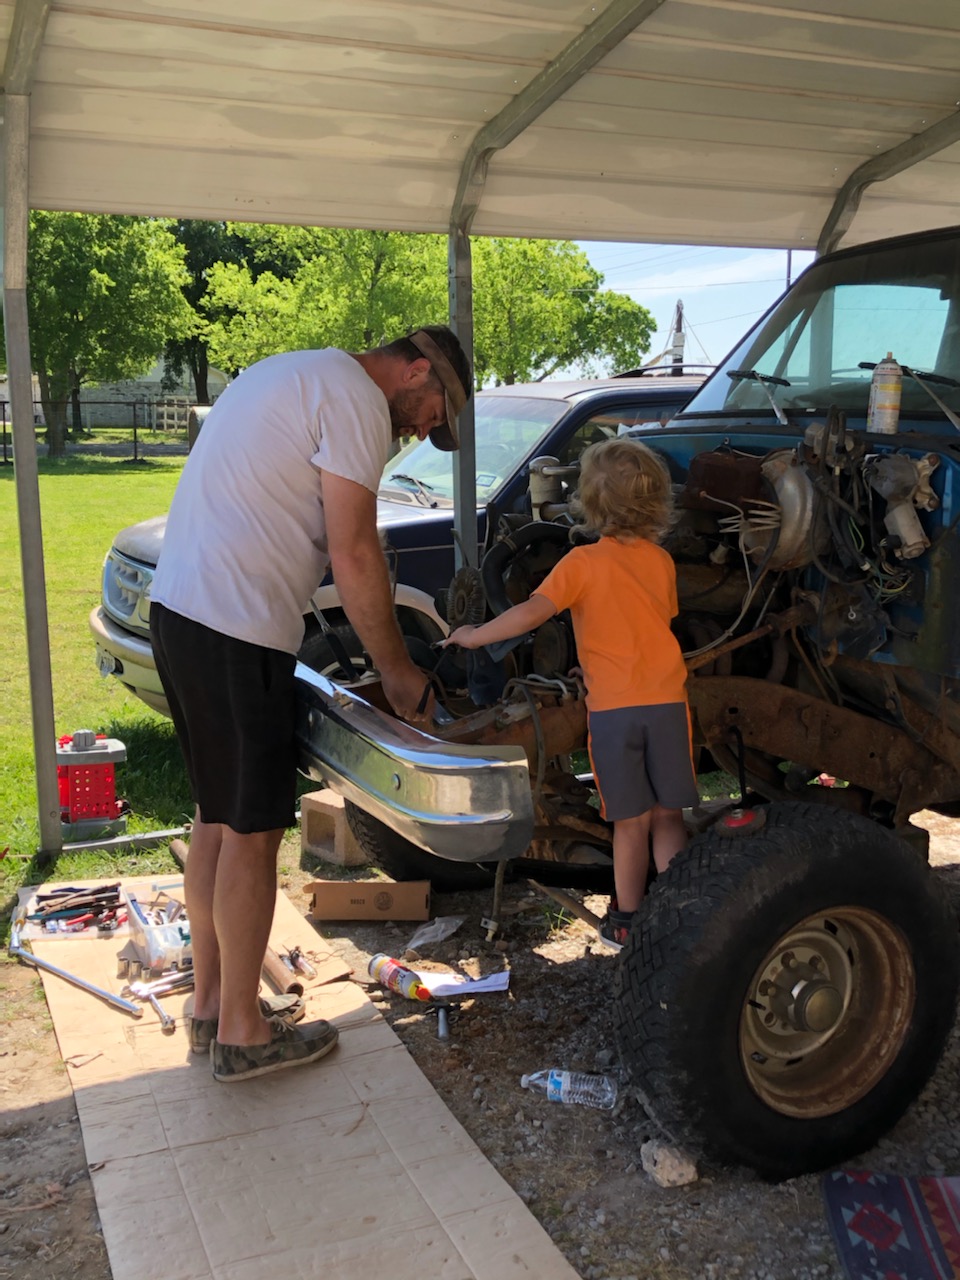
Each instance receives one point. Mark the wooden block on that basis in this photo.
(325, 832)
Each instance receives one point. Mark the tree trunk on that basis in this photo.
(75, 404)
(200, 368)
(55, 416)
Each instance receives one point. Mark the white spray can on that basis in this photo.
(883, 410)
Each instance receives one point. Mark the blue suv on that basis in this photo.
(415, 515)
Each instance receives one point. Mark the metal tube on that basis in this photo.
(144, 840)
(16, 217)
(460, 274)
(15, 949)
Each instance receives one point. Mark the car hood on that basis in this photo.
(142, 541)
(394, 513)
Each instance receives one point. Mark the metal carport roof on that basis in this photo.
(716, 121)
(687, 121)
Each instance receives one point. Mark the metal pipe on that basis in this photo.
(566, 901)
(14, 949)
(16, 218)
(144, 840)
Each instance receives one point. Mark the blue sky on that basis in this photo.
(724, 291)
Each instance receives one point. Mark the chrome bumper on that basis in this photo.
(465, 803)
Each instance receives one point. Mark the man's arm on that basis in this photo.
(363, 584)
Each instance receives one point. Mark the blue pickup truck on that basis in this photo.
(791, 979)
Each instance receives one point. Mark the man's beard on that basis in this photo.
(405, 412)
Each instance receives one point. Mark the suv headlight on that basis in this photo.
(126, 591)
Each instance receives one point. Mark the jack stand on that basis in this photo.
(492, 922)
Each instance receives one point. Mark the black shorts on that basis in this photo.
(233, 708)
(641, 757)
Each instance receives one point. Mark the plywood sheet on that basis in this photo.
(348, 1167)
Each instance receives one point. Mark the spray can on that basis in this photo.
(883, 410)
(397, 977)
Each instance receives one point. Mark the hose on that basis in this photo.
(498, 558)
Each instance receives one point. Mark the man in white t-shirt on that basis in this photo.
(281, 484)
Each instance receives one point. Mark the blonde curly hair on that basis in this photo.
(625, 491)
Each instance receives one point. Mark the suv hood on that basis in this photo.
(142, 541)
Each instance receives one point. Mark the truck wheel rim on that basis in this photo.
(827, 1011)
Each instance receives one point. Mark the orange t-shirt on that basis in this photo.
(621, 597)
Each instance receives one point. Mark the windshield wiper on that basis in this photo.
(423, 490)
(743, 375)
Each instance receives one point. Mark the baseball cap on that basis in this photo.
(445, 437)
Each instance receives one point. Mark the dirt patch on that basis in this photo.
(48, 1218)
(578, 1170)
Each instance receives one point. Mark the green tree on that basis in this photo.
(204, 244)
(538, 304)
(301, 288)
(539, 308)
(104, 295)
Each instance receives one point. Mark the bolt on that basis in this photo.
(788, 960)
(769, 1020)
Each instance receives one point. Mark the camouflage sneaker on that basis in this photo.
(614, 929)
(289, 1047)
(203, 1031)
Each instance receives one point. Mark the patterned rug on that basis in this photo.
(890, 1228)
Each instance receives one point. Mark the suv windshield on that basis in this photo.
(844, 313)
(507, 429)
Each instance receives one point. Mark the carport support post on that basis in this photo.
(16, 222)
(460, 271)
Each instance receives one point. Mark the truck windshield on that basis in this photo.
(810, 350)
(507, 430)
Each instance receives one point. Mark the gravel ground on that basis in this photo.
(579, 1170)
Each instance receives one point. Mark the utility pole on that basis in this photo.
(677, 341)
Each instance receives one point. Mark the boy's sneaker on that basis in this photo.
(203, 1031)
(289, 1046)
(614, 929)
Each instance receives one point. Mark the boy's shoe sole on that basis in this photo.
(610, 943)
(203, 1031)
(289, 1047)
(614, 929)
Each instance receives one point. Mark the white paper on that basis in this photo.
(457, 984)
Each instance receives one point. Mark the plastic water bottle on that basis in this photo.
(573, 1086)
(397, 977)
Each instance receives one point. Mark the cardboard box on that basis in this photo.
(369, 899)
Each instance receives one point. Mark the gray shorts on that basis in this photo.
(641, 756)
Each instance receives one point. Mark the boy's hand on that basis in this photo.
(464, 637)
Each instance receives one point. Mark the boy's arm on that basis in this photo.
(522, 617)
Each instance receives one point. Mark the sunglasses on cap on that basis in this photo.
(445, 437)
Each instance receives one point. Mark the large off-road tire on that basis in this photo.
(785, 995)
(406, 861)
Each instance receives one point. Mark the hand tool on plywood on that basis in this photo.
(279, 976)
(14, 949)
(167, 1024)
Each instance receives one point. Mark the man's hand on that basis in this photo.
(405, 689)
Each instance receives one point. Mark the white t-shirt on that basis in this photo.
(245, 545)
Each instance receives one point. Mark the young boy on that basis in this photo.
(622, 593)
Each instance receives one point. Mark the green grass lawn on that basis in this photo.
(85, 500)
